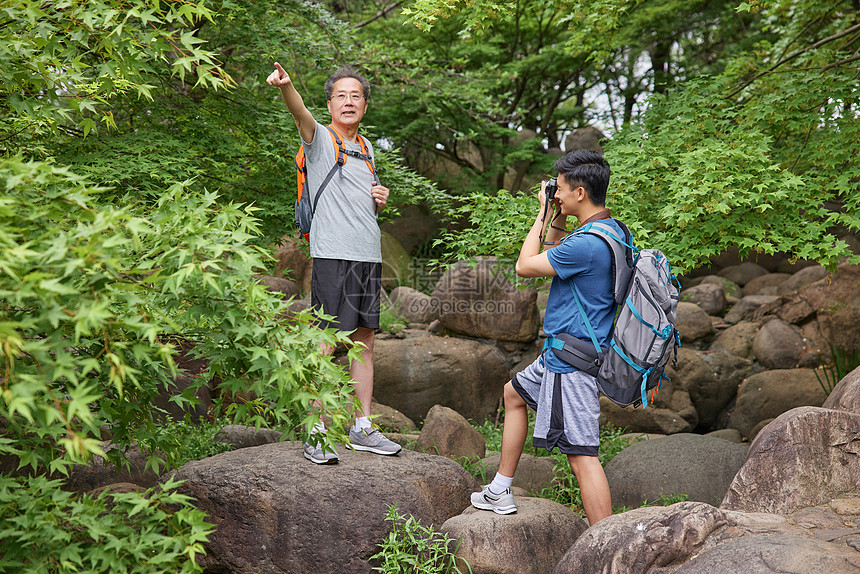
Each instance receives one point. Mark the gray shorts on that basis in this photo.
(567, 408)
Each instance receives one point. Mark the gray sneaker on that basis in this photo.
(315, 454)
(372, 440)
(499, 503)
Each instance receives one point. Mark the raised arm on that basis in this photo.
(305, 121)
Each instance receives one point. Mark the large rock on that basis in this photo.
(845, 396)
(801, 278)
(413, 305)
(709, 296)
(447, 433)
(479, 301)
(769, 394)
(712, 380)
(765, 284)
(698, 466)
(414, 374)
(751, 308)
(743, 273)
(671, 412)
(775, 555)
(836, 302)
(778, 345)
(532, 541)
(277, 512)
(737, 340)
(98, 472)
(643, 540)
(731, 290)
(397, 268)
(693, 323)
(415, 225)
(293, 258)
(805, 457)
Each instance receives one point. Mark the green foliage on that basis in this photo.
(412, 548)
(191, 441)
(47, 530)
(841, 363)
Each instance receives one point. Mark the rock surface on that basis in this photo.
(531, 541)
(770, 393)
(803, 458)
(447, 433)
(698, 466)
(277, 512)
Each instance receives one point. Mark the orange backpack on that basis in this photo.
(305, 208)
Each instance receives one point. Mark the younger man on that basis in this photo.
(566, 399)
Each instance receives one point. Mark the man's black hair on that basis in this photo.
(346, 72)
(588, 169)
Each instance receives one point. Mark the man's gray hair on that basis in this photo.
(346, 72)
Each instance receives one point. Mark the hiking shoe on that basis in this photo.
(499, 503)
(372, 440)
(315, 454)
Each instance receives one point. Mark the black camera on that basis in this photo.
(551, 188)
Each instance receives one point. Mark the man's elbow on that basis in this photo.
(523, 270)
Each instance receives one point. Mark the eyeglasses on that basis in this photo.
(342, 97)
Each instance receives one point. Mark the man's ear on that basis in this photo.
(581, 194)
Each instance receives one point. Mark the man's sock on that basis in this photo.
(361, 423)
(501, 483)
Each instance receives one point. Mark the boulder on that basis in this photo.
(765, 284)
(711, 379)
(276, 512)
(413, 305)
(770, 393)
(534, 473)
(479, 301)
(801, 278)
(845, 396)
(531, 541)
(698, 466)
(98, 472)
(292, 258)
(588, 137)
(775, 554)
(652, 539)
(742, 273)
(447, 433)
(672, 412)
(778, 345)
(731, 435)
(414, 374)
(241, 436)
(396, 264)
(696, 538)
(835, 300)
(731, 289)
(737, 340)
(709, 296)
(414, 226)
(751, 308)
(693, 323)
(284, 287)
(803, 458)
(390, 418)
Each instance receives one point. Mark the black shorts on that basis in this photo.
(348, 290)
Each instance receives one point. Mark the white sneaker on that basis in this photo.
(315, 454)
(499, 503)
(372, 440)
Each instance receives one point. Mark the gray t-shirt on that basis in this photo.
(344, 224)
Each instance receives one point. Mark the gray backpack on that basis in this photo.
(643, 336)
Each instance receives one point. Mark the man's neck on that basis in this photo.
(589, 213)
(349, 133)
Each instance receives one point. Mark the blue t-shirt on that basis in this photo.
(586, 260)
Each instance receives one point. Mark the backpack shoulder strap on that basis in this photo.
(340, 159)
(622, 254)
(368, 159)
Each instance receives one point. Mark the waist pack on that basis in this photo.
(643, 335)
(305, 207)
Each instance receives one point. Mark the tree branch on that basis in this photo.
(379, 14)
(814, 46)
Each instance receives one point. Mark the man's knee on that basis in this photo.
(365, 336)
(512, 397)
